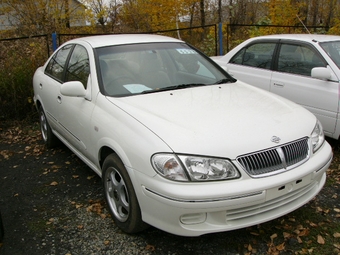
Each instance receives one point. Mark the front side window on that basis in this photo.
(258, 55)
(55, 68)
(298, 59)
(78, 68)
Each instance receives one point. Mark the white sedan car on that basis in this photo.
(179, 144)
(301, 67)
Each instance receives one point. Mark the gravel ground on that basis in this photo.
(52, 203)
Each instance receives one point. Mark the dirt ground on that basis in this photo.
(52, 203)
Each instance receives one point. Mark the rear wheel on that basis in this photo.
(49, 138)
(120, 196)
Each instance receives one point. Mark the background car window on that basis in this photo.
(78, 68)
(56, 66)
(257, 55)
(298, 59)
(332, 49)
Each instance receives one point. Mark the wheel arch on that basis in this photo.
(107, 150)
(103, 153)
(38, 104)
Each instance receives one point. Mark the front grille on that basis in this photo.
(281, 158)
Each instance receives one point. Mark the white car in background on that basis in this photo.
(179, 144)
(301, 67)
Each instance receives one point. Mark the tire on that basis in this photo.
(121, 197)
(49, 138)
(2, 232)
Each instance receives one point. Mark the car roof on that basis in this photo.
(301, 37)
(98, 41)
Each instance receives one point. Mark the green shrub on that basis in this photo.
(18, 61)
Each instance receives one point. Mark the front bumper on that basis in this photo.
(193, 209)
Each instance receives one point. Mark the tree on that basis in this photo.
(150, 15)
(43, 16)
(100, 10)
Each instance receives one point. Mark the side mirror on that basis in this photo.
(73, 89)
(321, 73)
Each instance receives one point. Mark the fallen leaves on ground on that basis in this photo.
(150, 247)
(22, 135)
(6, 154)
(90, 177)
(97, 206)
(18, 134)
(320, 240)
(50, 221)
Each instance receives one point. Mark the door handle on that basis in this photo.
(279, 85)
(59, 99)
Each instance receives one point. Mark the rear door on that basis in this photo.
(293, 80)
(50, 85)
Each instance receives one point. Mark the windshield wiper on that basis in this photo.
(226, 80)
(179, 86)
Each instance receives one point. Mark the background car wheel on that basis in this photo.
(1, 229)
(49, 138)
(120, 196)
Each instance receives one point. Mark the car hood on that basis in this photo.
(219, 120)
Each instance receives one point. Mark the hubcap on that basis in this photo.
(117, 194)
(43, 125)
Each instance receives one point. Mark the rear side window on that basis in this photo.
(258, 55)
(298, 59)
(56, 66)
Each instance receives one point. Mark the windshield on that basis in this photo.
(332, 49)
(147, 68)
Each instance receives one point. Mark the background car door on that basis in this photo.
(75, 112)
(252, 64)
(293, 81)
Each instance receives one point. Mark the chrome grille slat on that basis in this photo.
(281, 158)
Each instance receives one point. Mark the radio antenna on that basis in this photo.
(302, 24)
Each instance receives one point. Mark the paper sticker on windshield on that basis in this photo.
(136, 88)
(186, 51)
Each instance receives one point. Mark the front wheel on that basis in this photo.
(120, 196)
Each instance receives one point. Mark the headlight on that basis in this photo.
(317, 136)
(193, 168)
